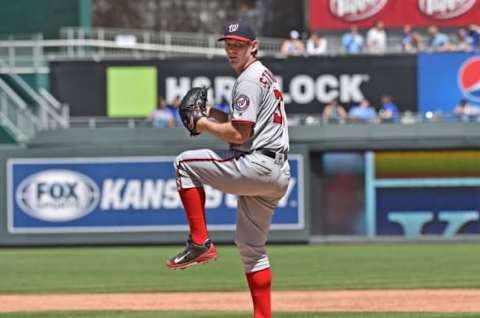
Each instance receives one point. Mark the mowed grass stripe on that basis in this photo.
(295, 267)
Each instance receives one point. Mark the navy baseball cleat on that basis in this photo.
(193, 254)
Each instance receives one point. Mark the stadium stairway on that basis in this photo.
(24, 111)
(6, 137)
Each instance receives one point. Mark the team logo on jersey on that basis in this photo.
(241, 103)
(441, 9)
(469, 78)
(356, 10)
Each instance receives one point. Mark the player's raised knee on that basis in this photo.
(182, 157)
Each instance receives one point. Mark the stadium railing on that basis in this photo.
(294, 120)
(31, 54)
(15, 116)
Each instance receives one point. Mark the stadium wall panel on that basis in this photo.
(338, 186)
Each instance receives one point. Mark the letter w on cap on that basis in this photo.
(232, 27)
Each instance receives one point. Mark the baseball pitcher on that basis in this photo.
(255, 166)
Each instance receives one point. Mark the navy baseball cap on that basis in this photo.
(238, 31)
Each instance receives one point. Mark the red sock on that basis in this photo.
(260, 288)
(193, 200)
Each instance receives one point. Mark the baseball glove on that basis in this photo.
(193, 107)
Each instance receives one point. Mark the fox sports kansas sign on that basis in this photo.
(57, 195)
(120, 195)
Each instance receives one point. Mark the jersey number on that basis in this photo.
(278, 116)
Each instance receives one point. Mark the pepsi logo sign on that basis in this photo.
(355, 10)
(57, 195)
(469, 78)
(444, 9)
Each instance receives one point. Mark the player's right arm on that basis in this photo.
(230, 132)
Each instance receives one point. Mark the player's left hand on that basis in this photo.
(192, 108)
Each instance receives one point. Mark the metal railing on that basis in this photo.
(45, 111)
(103, 122)
(51, 112)
(32, 54)
(15, 116)
(110, 41)
(294, 120)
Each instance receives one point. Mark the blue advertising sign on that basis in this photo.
(74, 195)
(416, 211)
(445, 78)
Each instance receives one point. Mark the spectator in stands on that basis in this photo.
(334, 113)
(352, 42)
(293, 46)
(412, 41)
(162, 117)
(389, 111)
(377, 39)
(173, 108)
(465, 111)
(316, 44)
(474, 36)
(463, 41)
(362, 113)
(438, 42)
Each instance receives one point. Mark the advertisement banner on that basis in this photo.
(424, 192)
(416, 211)
(308, 83)
(124, 194)
(460, 79)
(340, 14)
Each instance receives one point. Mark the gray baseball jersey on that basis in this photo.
(258, 180)
(257, 99)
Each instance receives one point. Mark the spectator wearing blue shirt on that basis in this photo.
(439, 42)
(474, 36)
(161, 116)
(352, 42)
(363, 112)
(389, 111)
(412, 41)
(173, 108)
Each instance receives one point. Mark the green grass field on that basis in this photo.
(295, 267)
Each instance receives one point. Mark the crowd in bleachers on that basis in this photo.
(166, 115)
(375, 41)
(388, 112)
(362, 112)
